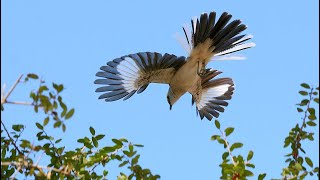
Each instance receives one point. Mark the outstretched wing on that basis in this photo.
(211, 95)
(124, 76)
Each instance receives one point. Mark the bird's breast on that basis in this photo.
(186, 77)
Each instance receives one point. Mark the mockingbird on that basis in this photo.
(208, 40)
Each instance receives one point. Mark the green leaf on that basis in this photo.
(64, 127)
(123, 163)
(123, 140)
(312, 117)
(130, 148)
(229, 130)
(303, 93)
(248, 173)
(92, 131)
(105, 172)
(39, 126)
(262, 176)
(305, 85)
(225, 155)
(69, 114)
(299, 110)
(215, 137)
(316, 100)
(311, 123)
(42, 88)
(235, 146)
(304, 102)
(32, 76)
(250, 155)
(298, 166)
(309, 162)
(311, 110)
(217, 123)
(250, 165)
(95, 142)
(57, 141)
(135, 159)
(138, 145)
(57, 124)
(100, 136)
(45, 121)
(116, 141)
(57, 87)
(17, 127)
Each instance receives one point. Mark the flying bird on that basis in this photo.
(208, 40)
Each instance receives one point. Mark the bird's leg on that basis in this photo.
(201, 71)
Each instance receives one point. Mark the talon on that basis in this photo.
(202, 71)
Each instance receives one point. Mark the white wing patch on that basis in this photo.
(211, 94)
(237, 48)
(228, 57)
(183, 42)
(129, 71)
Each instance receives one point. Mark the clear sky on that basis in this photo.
(67, 42)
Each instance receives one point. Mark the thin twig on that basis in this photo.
(16, 172)
(306, 112)
(39, 159)
(17, 164)
(19, 103)
(228, 147)
(13, 142)
(298, 138)
(10, 91)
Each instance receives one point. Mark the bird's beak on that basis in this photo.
(170, 106)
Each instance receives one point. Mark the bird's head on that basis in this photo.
(173, 96)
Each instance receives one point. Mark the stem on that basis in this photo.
(34, 166)
(4, 100)
(13, 142)
(228, 147)
(298, 138)
(19, 103)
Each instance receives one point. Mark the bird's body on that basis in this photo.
(129, 74)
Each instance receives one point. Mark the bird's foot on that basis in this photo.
(201, 71)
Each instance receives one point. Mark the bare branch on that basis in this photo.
(19, 103)
(228, 147)
(13, 142)
(10, 91)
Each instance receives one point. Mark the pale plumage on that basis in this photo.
(208, 40)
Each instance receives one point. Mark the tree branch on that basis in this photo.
(40, 168)
(228, 147)
(13, 142)
(4, 100)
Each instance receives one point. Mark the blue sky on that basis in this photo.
(67, 41)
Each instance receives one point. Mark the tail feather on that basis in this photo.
(223, 20)
(223, 35)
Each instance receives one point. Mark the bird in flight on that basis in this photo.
(208, 40)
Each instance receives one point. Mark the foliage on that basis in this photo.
(299, 164)
(233, 167)
(236, 167)
(21, 156)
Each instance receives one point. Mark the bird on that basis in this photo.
(207, 41)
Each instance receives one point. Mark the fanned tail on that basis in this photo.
(209, 38)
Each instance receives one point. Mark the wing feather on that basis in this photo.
(125, 76)
(210, 97)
